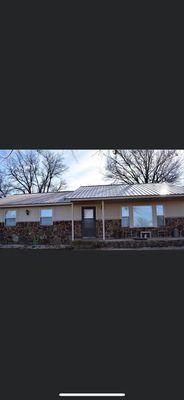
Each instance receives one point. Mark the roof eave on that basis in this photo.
(127, 197)
(34, 205)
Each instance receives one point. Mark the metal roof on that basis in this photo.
(35, 199)
(99, 192)
(126, 191)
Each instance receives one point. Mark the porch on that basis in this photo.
(105, 223)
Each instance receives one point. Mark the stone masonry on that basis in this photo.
(60, 232)
(34, 233)
(114, 230)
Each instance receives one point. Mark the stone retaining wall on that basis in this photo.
(137, 244)
(128, 243)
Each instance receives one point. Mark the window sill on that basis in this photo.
(46, 224)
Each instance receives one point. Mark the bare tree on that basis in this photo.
(7, 156)
(48, 176)
(5, 187)
(143, 166)
(38, 150)
(36, 171)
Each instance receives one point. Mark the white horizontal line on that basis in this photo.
(92, 394)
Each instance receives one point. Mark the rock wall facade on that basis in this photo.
(34, 233)
(114, 229)
(61, 232)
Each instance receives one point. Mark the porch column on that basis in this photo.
(72, 222)
(103, 220)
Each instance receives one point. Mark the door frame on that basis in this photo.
(94, 218)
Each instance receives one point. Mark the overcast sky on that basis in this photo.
(85, 167)
(88, 169)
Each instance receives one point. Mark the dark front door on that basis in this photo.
(88, 222)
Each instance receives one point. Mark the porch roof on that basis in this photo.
(114, 191)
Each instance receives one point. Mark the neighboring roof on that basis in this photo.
(35, 199)
(126, 191)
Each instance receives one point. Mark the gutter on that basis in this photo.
(33, 205)
(138, 197)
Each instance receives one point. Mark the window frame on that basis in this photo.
(126, 216)
(11, 218)
(42, 218)
(152, 213)
(160, 215)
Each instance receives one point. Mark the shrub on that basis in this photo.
(36, 239)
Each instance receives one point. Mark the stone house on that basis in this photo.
(101, 212)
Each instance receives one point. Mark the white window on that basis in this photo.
(160, 215)
(125, 220)
(143, 216)
(46, 217)
(88, 213)
(10, 218)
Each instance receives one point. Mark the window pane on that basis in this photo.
(46, 213)
(10, 221)
(88, 213)
(10, 214)
(142, 216)
(46, 221)
(125, 211)
(160, 220)
(125, 221)
(160, 209)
